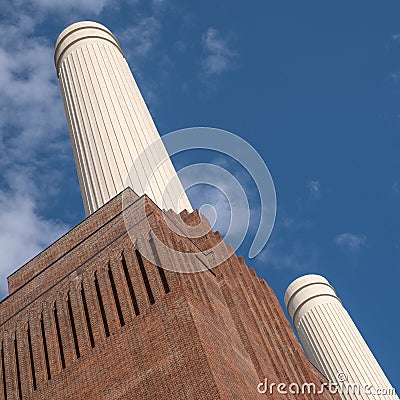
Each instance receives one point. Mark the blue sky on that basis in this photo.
(313, 86)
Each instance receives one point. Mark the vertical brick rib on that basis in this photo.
(197, 277)
(43, 336)
(122, 289)
(32, 362)
(190, 278)
(3, 372)
(291, 372)
(72, 325)
(269, 343)
(148, 266)
(240, 328)
(94, 312)
(9, 366)
(273, 325)
(100, 303)
(165, 256)
(50, 336)
(37, 349)
(146, 276)
(136, 278)
(86, 316)
(161, 271)
(17, 368)
(107, 298)
(21, 335)
(291, 346)
(79, 317)
(129, 285)
(65, 328)
(116, 296)
(59, 336)
(259, 336)
(298, 359)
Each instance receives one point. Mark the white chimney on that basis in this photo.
(109, 123)
(332, 341)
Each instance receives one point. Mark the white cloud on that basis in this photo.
(396, 187)
(23, 233)
(61, 6)
(395, 76)
(142, 37)
(219, 57)
(158, 5)
(293, 255)
(232, 212)
(32, 112)
(33, 134)
(315, 189)
(350, 241)
(216, 199)
(290, 224)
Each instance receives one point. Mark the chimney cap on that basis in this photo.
(306, 292)
(78, 31)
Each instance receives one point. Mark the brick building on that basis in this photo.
(90, 318)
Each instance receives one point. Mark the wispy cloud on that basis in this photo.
(32, 122)
(315, 189)
(350, 241)
(23, 233)
(139, 42)
(396, 37)
(396, 187)
(226, 188)
(293, 255)
(141, 38)
(34, 141)
(61, 6)
(219, 56)
(395, 76)
(215, 202)
(32, 112)
(287, 223)
(159, 5)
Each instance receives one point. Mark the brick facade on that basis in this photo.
(91, 318)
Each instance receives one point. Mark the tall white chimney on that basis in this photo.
(332, 341)
(109, 123)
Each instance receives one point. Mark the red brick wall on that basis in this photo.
(86, 320)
